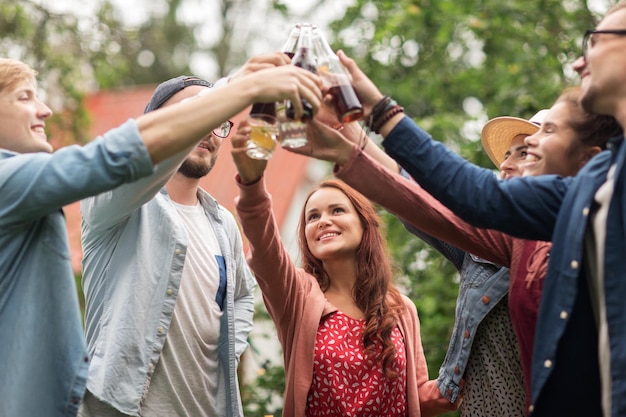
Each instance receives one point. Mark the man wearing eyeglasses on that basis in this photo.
(165, 278)
(579, 358)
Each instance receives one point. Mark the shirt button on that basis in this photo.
(177, 251)
(160, 329)
(547, 363)
(170, 291)
(457, 369)
(75, 400)
(563, 315)
(586, 211)
(86, 358)
(151, 366)
(467, 334)
(574, 264)
(486, 299)
(531, 408)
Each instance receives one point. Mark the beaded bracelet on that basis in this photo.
(384, 110)
(395, 109)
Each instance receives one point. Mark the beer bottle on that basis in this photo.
(335, 76)
(304, 58)
(289, 48)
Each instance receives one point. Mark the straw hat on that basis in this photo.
(499, 132)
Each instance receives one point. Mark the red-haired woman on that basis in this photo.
(351, 342)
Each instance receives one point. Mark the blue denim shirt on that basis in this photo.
(43, 360)
(530, 208)
(134, 245)
(479, 278)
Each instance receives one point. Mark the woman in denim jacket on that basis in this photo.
(491, 369)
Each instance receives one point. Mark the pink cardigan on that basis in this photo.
(296, 304)
(527, 260)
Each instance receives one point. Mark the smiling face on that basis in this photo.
(514, 158)
(22, 117)
(332, 225)
(556, 148)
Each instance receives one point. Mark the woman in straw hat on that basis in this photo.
(567, 139)
(503, 139)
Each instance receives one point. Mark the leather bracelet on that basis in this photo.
(377, 111)
(380, 114)
(386, 117)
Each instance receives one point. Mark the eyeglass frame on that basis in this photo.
(589, 32)
(223, 126)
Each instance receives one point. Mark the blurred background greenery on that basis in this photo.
(452, 64)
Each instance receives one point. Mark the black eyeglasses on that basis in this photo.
(589, 33)
(224, 129)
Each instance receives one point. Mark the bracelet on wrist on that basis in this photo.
(386, 117)
(377, 110)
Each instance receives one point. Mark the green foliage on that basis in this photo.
(452, 64)
(258, 398)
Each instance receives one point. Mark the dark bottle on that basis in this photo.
(264, 108)
(289, 49)
(304, 58)
(337, 80)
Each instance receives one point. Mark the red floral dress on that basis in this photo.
(346, 382)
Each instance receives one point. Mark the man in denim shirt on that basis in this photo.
(43, 359)
(169, 294)
(579, 361)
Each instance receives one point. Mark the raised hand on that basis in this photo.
(325, 143)
(367, 91)
(260, 62)
(284, 82)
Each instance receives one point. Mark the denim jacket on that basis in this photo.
(539, 208)
(483, 285)
(134, 246)
(43, 359)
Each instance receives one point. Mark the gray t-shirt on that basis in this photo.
(187, 378)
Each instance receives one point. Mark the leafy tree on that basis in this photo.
(451, 63)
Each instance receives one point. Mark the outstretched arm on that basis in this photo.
(172, 129)
(524, 207)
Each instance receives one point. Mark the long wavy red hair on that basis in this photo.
(374, 292)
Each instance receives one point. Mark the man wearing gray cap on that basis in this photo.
(169, 296)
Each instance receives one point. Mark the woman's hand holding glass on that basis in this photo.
(250, 170)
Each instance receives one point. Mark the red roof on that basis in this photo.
(286, 171)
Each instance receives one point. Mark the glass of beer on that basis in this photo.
(264, 131)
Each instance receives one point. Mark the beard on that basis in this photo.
(195, 169)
